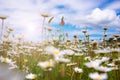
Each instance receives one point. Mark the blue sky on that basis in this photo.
(24, 16)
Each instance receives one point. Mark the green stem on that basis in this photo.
(72, 75)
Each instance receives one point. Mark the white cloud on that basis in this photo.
(101, 16)
(114, 5)
(98, 18)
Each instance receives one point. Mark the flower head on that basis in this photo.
(96, 76)
(78, 70)
(53, 51)
(102, 51)
(71, 64)
(62, 23)
(3, 17)
(48, 28)
(92, 64)
(116, 35)
(105, 28)
(84, 31)
(68, 52)
(62, 60)
(46, 64)
(6, 40)
(31, 76)
(45, 15)
(103, 69)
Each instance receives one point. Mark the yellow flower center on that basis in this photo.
(98, 77)
(25, 60)
(56, 52)
(34, 76)
(5, 60)
(6, 41)
(48, 64)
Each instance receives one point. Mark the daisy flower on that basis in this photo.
(46, 64)
(78, 70)
(97, 76)
(31, 76)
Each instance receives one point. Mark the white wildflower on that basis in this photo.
(62, 60)
(71, 64)
(68, 52)
(78, 70)
(102, 51)
(93, 64)
(96, 76)
(31, 76)
(103, 69)
(46, 64)
(78, 54)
